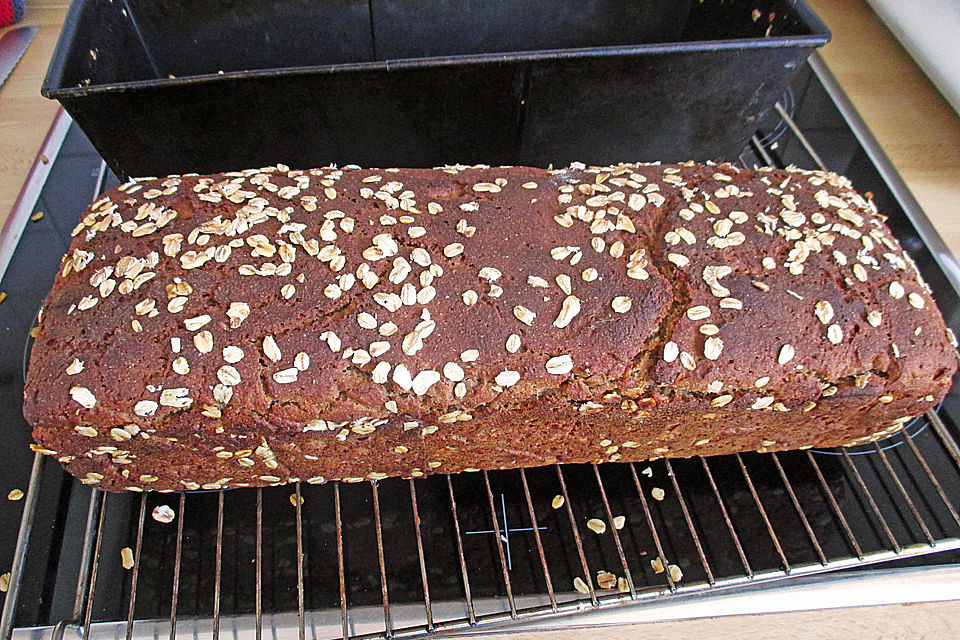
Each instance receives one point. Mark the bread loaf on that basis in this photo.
(265, 326)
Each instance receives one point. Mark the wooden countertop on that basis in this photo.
(911, 120)
(25, 115)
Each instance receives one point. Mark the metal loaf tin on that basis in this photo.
(166, 86)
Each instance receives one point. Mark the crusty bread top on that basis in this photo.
(310, 299)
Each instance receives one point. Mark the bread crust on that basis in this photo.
(260, 327)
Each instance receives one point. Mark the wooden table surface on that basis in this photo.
(911, 120)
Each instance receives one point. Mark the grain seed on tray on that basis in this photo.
(163, 513)
(263, 326)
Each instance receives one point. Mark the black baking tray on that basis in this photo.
(163, 86)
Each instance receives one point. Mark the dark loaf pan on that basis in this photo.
(163, 86)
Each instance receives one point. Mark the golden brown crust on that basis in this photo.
(257, 327)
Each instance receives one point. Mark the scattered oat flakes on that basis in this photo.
(507, 378)
(557, 501)
(712, 348)
(606, 580)
(5, 582)
(15, 495)
(75, 367)
(192, 324)
(569, 310)
(163, 513)
(670, 351)
(596, 525)
(453, 372)
(657, 493)
(286, 376)
(524, 315)
(83, 396)
(126, 558)
(621, 304)
(232, 354)
(580, 585)
(37, 216)
(270, 349)
(181, 366)
(699, 312)
(786, 354)
(835, 334)
(675, 573)
(657, 565)
(709, 329)
(302, 361)
(824, 311)
(560, 365)
(619, 522)
(294, 500)
(453, 249)
(722, 401)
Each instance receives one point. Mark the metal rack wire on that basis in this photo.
(729, 521)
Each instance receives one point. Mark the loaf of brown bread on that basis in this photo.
(270, 325)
